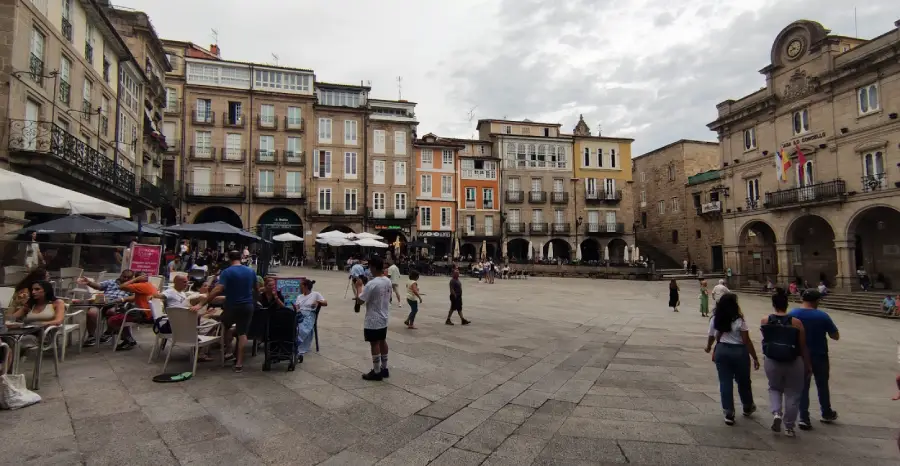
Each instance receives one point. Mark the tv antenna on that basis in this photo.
(275, 58)
(399, 87)
(471, 116)
(215, 36)
(599, 129)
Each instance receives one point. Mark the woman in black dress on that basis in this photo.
(673, 296)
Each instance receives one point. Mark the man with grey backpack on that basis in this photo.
(786, 363)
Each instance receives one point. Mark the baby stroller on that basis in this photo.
(280, 338)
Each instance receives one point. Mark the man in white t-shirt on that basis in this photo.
(719, 290)
(377, 296)
(394, 275)
(176, 296)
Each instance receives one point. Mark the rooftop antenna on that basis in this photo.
(215, 36)
(471, 116)
(275, 57)
(855, 24)
(599, 129)
(399, 87)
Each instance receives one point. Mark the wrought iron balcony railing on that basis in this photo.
(227, 155)
(598, 196)
(293, 124)
(278, 194)
(232, 121)
(268, 122)
(203, 117)
(515, 197)
(266, 156)
(67, 29)
(36, 69)
(89, 52)
(390, 214)
(41, 137)
(173, 107)
(153, 191)
(294, 158)
(65, 92)
(560, 228)
(537, 197)
(538, 228)
(874, 182)
(202, 153)
(559, 197)
(318, 207)
(478, 231)
(221, 192)
(516, 228)
(829, 191)
(604, 228)
(753, 203)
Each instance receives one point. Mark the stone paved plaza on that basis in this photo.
(551, 371)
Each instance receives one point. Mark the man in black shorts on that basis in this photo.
(377, 296)
(456, 298)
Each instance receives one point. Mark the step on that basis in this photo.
(838, 302)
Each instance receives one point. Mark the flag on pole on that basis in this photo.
(801, 164)
(785, 165)
(778, 165)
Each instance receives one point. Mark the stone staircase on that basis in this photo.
(859, 302)
(680, 274)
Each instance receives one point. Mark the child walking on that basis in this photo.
(377, 296)
(412, 293)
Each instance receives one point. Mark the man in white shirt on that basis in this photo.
(394, 275)
(377, 296)
(719, 290)
(176, 296)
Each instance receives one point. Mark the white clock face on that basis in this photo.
(794, 48)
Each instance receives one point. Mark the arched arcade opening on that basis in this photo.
(617, 250)
(590, 251)
(758, 255)
(517, 249)
(813, 257)
(877, 245)
(217, 214)
(560, 249)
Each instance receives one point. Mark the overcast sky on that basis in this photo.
(652, 70)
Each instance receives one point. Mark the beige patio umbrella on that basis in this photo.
(456, 248)
(627, 250)
(530, 250)
(504, 249)
(577, 252)
(606, 253)
(550, 250)
(540, 251)
(484, 249)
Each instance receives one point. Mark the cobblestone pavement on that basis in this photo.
(551, 371)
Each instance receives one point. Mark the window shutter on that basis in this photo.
(316, 164)
(328, 164)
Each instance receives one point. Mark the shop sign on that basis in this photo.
(388, 227)
(434, 234)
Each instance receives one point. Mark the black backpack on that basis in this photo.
(781, 340)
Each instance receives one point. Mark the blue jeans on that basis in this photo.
(413, 309)
(733, 365)
(820, 370)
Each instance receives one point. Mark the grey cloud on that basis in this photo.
(664, 19)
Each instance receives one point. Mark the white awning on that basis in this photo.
(26, 194)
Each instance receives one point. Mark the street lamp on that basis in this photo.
(53, 74)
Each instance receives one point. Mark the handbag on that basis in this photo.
(14, 394)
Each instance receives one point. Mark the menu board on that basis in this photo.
(145, 258)
(289, 288)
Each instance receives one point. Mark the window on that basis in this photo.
(697, 201)
(86, 92)
(536, 185)
(447, 186)
(559, 185)
(488, 225)
(324, 200)
(267, 148)
(698, 233)
(470, 196)
(609, 185)
(873, 170)
(292, 148)
(674, 236)
(537, 216)
(426, 186)
(267, 115)
(868, 99)
(749, 139)
(425, 218)
(643, 219)
(171, 98)
(805, 175)
(487, 198)
(514, 220)
(104, 121)
(427, 158)
(281, 80)
(612, 158)
(752, 192)
(643, 177)
(447, 159)
(294, 118)
(379, 141)
(204, 110)
(378, 172)
(350, 136)
(293, 184)
(643, 197)
(446, 218)
(400, 173)
(587, 157)
(800, 121)
(351, 199)
(399, 142)
(322, 164)
(106, 66)
(325, 130)
(661, 207)
(350, 160)
(590, 187)
(203, 143)
(399, 205)
(378, 203)
(266, 182)
(676, 205)
(89, 44)
(65, 80)
(526, 130)
(340, 98)
(508, 129)
(670, 171)
(233, 145)
(130, 91)
(600, 158)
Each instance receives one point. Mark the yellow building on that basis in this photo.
(602, 202)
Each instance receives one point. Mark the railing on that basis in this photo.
(173, 107)
(67, 29)
(86, 110)
(266, 123)
(203, 118)
(36, 68)
(478, 174)
(470, 204)
(611, 197)
(202, 153)
(232, 155)
(537, 197)
(478, 231)
(488, 204)
(266, 156)
(559, 197)
(232, 121)
(604, 228)
(560, 228)
(174, 146)
(47, 138)
(293, 125)
(334, 208)
(515, 197)
(753, 203)
(834, 190)
(389, 214)
(217, 191)
(89, 52)
(153, 191)
(278, 194)
(515, 228)
(294, 158)
(525, 164)
(65, 92)
(874, 182)
(538, 227)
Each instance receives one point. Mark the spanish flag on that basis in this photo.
(801, 164)
(785, 165)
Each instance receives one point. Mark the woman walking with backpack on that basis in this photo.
(786, 362)
(734, 349)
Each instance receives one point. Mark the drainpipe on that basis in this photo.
(181, 168)
(364, 156)
(249, 193)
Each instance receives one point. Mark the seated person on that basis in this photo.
(113, 296)
(889, 305)
(505, 270)
(823, 289)
(792, 288)
(269, 296)
(179, 296)
(143, 290)
(43, 308)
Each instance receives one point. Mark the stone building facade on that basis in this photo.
(705, 235)
(829, 110)
(662, 205)
(478, 184)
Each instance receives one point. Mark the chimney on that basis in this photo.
(214, 49)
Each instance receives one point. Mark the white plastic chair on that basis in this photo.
(126, 323)
(175, 274)
(156, 281)
(184, 333)
(156, 307)
(6, 295)
(69, 326)
(70, 272)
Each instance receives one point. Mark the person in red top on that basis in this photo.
(143, 291)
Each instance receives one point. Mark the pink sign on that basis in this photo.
(145, 258)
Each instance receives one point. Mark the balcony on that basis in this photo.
(67, 161)
(154, 191)
(334, 210)
(266, 156)
(515, 197)
(294, 158)
(279, 195)
(820, 193)
(214, 193)
(603, 197)
(710, 209)
(268, 122)
(604, 229)
(390, 214)
(36, 69)
(753, 203)
(104, 125)
(203, 118)
(202, 153)
(876, 182)
(470, 204)
(559, 197)
(516, 229)
(86, 110)
(67, 29)
(227, 155)
(232, 121)
(293, 125)
(89, 52)
(173, 107)
(65, 92)
(538, 228)
(537, 197)
(478, 174)
(560, 228)
(174, 146)
(478, 231)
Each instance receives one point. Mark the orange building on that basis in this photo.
(436, 166)
(478, 201)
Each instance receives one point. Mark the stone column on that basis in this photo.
(846, 273)
(784, 253)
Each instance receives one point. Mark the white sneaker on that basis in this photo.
(776, 423)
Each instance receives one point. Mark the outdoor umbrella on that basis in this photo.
(540, 251)
(549, 250)
(132, 227)
(530, 250)
(636, 253)
(370, 243)
(606, 253)
(626, 253)
(484, 249)
(73, 224)
(504, 248)
(578, 253)
(333, 234)
(365, 235)
(24, 193)
(287, 237)
(456, 248)
(211, 230)
(337, 242)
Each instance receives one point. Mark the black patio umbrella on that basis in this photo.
(212, 230)
(73, 224)
(132, 227)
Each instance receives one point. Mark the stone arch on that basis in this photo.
(794, 223)
(561, 249)
(218, 213)
(812, 257)
(591, 250)
(517, 249)
(872, 232)
(756, 223)
(757, 254)
(468, 249)
(617, 250)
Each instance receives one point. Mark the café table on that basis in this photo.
(15, 335)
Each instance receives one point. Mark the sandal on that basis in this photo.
(229, 356)
(238, 369)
